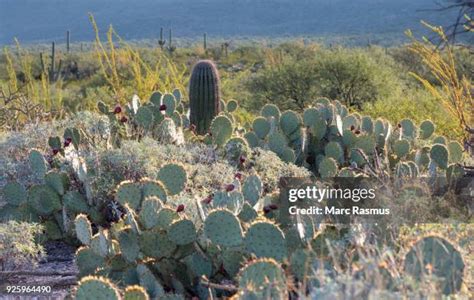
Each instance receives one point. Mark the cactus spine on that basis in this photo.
(204, 95)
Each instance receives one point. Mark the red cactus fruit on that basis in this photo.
(67, 142)
(266, 209)
(117, 109)
(238, 176)
(162, 107)
(229, 187)
(124, 119)
(207, 200)
(180, 208)
(273, 206)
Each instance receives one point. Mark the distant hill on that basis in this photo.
(45, 20)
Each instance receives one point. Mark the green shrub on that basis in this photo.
(18, 244)
(290, 84)
(417, 105)
(356, 76)
(293, 77)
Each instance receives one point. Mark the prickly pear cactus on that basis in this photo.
(99, 288)
(156, 244)
(223, 228)
(153, 188)
(83, 229)
(266, 240)
(37, 163)
(221, 130)
(261, 127)
(439, 154)
(232, 106)
(129, 247)
(270, 111)
(14, 193)
(252, 189)
(455, 152)
(135, 292)
(44, 200)
(144, 117)
(236, 150)
(129, 193)
(289, 122)
(182, 232)
(435, 256)
(193, 228)
(148, 281)
(149, 212)
(328, 167)
(174, 178)
(59, 181)
(401, 148)
(75, 203)
(264, 278)
(167, 132)
(427, 129)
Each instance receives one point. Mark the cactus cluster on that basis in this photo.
(164, 238)
(162, 118)
(161, 247)
(51, 201)
(329, 141)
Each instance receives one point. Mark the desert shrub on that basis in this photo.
(245, 55)
(233, 86)
(294, 76)
(135, 160)
(271, 168)
(296, 49)
(290, 83)
(418, 105)
(355, 76)
(18, 244)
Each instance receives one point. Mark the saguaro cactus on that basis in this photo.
(53, 72)
(204, 95)
(161, 41)
(225, 48)
(171, 47)
(68, 41)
